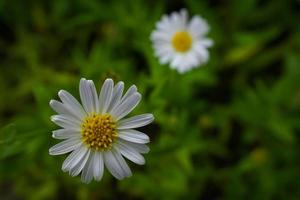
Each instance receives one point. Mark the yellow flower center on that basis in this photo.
(99, 131)
(182, 41)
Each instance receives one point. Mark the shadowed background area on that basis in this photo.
(227, 130)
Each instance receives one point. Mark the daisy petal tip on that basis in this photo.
(73, 174)
(51, 152)
(108, 81)
(82, 82)
(98, 179)
(129, 175)
(64, 168)
(61, 93)
(90, 82)
(151, 117)
(138, 95)
(53, 118)
(52, 103)
(121, 83)
(120, 178)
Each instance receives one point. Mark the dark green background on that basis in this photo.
(227, 130)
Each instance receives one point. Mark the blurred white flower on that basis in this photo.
(180, 42)
(96, 133)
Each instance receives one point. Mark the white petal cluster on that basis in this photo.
(194, 54)
(130, 143)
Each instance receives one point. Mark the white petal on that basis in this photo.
(95, 95)
(65, 122)
(117, 95)
(186, 61)
(98, 166)
(204, 42)
(88, 95)
(178, 20)
(116, 164)
(141, 148)
(80, 165)
(164, 51)
(164, 60)
(160, 36)
(74, 158)
(132, 90)
(105, 95)
(134, 136)
(191, 57)
(198, 27)
(112, 165)
(176, 63)
(60, 108)
(87, 172)
(71, 103)
(164, 24)
(183, 17)
(202, 54)
(122, 163)
(131, 154)
(65, 133)
(65, 146)
(126, 106)
(135, 121)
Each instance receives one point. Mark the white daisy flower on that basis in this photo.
(180, 42)
(96, 132)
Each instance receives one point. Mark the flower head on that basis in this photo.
(96, 132)
(180, 42)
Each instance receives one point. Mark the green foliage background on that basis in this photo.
(227, 130)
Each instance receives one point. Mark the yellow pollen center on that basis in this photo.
(182, 41)
(99, 131)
